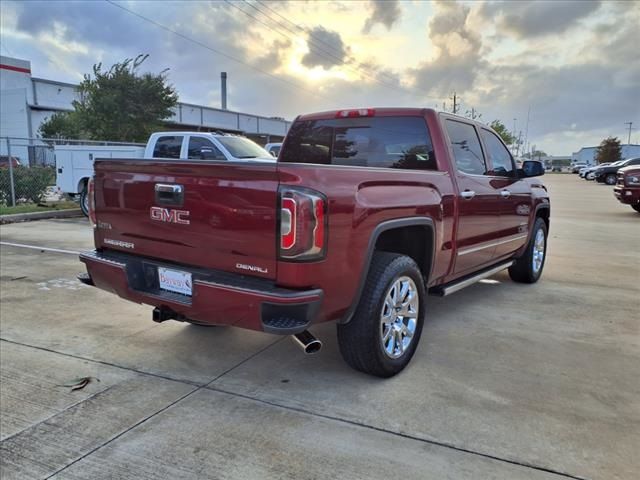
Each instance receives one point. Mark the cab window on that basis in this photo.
(210, 152)
(466, 148)
(381, 142)
(168, 147)
(501, 162)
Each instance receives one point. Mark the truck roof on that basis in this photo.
(192, 132)
(384, 111)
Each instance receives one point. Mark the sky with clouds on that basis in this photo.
(574, 64)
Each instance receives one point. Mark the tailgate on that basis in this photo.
(216, 215)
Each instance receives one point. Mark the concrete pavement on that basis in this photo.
(510, 381)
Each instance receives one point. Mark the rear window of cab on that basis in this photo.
(385, 142)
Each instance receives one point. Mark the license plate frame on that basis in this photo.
(175, 281)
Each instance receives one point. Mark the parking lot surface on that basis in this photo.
(510, 381)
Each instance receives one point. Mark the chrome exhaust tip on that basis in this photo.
(307, 342)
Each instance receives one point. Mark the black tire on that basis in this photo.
(360, 340)
(523, 271)
(84, 201)
(636, 207)
(611, 179)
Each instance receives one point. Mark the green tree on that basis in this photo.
(503, 131)
(117, 104)
(609, 150)
(61, 125)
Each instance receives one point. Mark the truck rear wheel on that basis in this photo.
(84, 201)
(528, 268)
(385, 330)
(636, 207)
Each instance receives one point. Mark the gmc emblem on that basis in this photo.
(170, 215)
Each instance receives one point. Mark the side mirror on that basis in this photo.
(531, 168)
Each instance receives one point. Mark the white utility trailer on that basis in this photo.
(74, 165)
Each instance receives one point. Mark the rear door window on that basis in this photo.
(195, 149)
(168, 147)
(466, 148)
(385, 142)
(501, 163)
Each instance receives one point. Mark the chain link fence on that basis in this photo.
(28, 169)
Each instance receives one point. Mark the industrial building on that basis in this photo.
(587, 155)
(25, 103)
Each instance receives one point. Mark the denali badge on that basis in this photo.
(170, 215)
(252, 268)
(118, 243)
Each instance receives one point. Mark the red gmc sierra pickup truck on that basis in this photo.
(365, 212)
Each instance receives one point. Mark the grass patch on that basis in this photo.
(33, 207)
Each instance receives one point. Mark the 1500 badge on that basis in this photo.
(169, 215)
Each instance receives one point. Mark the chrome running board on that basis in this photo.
(456, 285)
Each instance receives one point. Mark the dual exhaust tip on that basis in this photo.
(307, 342)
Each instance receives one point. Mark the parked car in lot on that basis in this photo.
(365, 212)
(609, 174)
(588, 173)
(4, 161)
(627, 189)
(75, 163)
(575, 167)
(273, 148)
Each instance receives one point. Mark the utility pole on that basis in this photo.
(455, 103)
(513, 135)
(629, 138)
(526, 129)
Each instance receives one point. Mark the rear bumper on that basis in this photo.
(629, 196)
(219, 298)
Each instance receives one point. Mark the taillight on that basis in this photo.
(91, 195)
(303, 224)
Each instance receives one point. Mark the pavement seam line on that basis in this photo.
(42, 249)
(102, 362)
(163, 409)
(140, 422)
(69, 407)
(243, 361)
(399, 434)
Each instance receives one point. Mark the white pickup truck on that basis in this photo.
(74, 163)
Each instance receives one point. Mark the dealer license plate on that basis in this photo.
(175, 281)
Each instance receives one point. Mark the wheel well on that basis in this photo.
(82, 184)
(544, 214)
(415, 241)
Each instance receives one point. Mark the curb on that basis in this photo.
(25, 217)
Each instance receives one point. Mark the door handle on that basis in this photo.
(505, 193)
(468, 194)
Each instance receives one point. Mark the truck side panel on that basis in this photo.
(359, 200)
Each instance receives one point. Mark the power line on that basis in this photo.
(214, 50)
